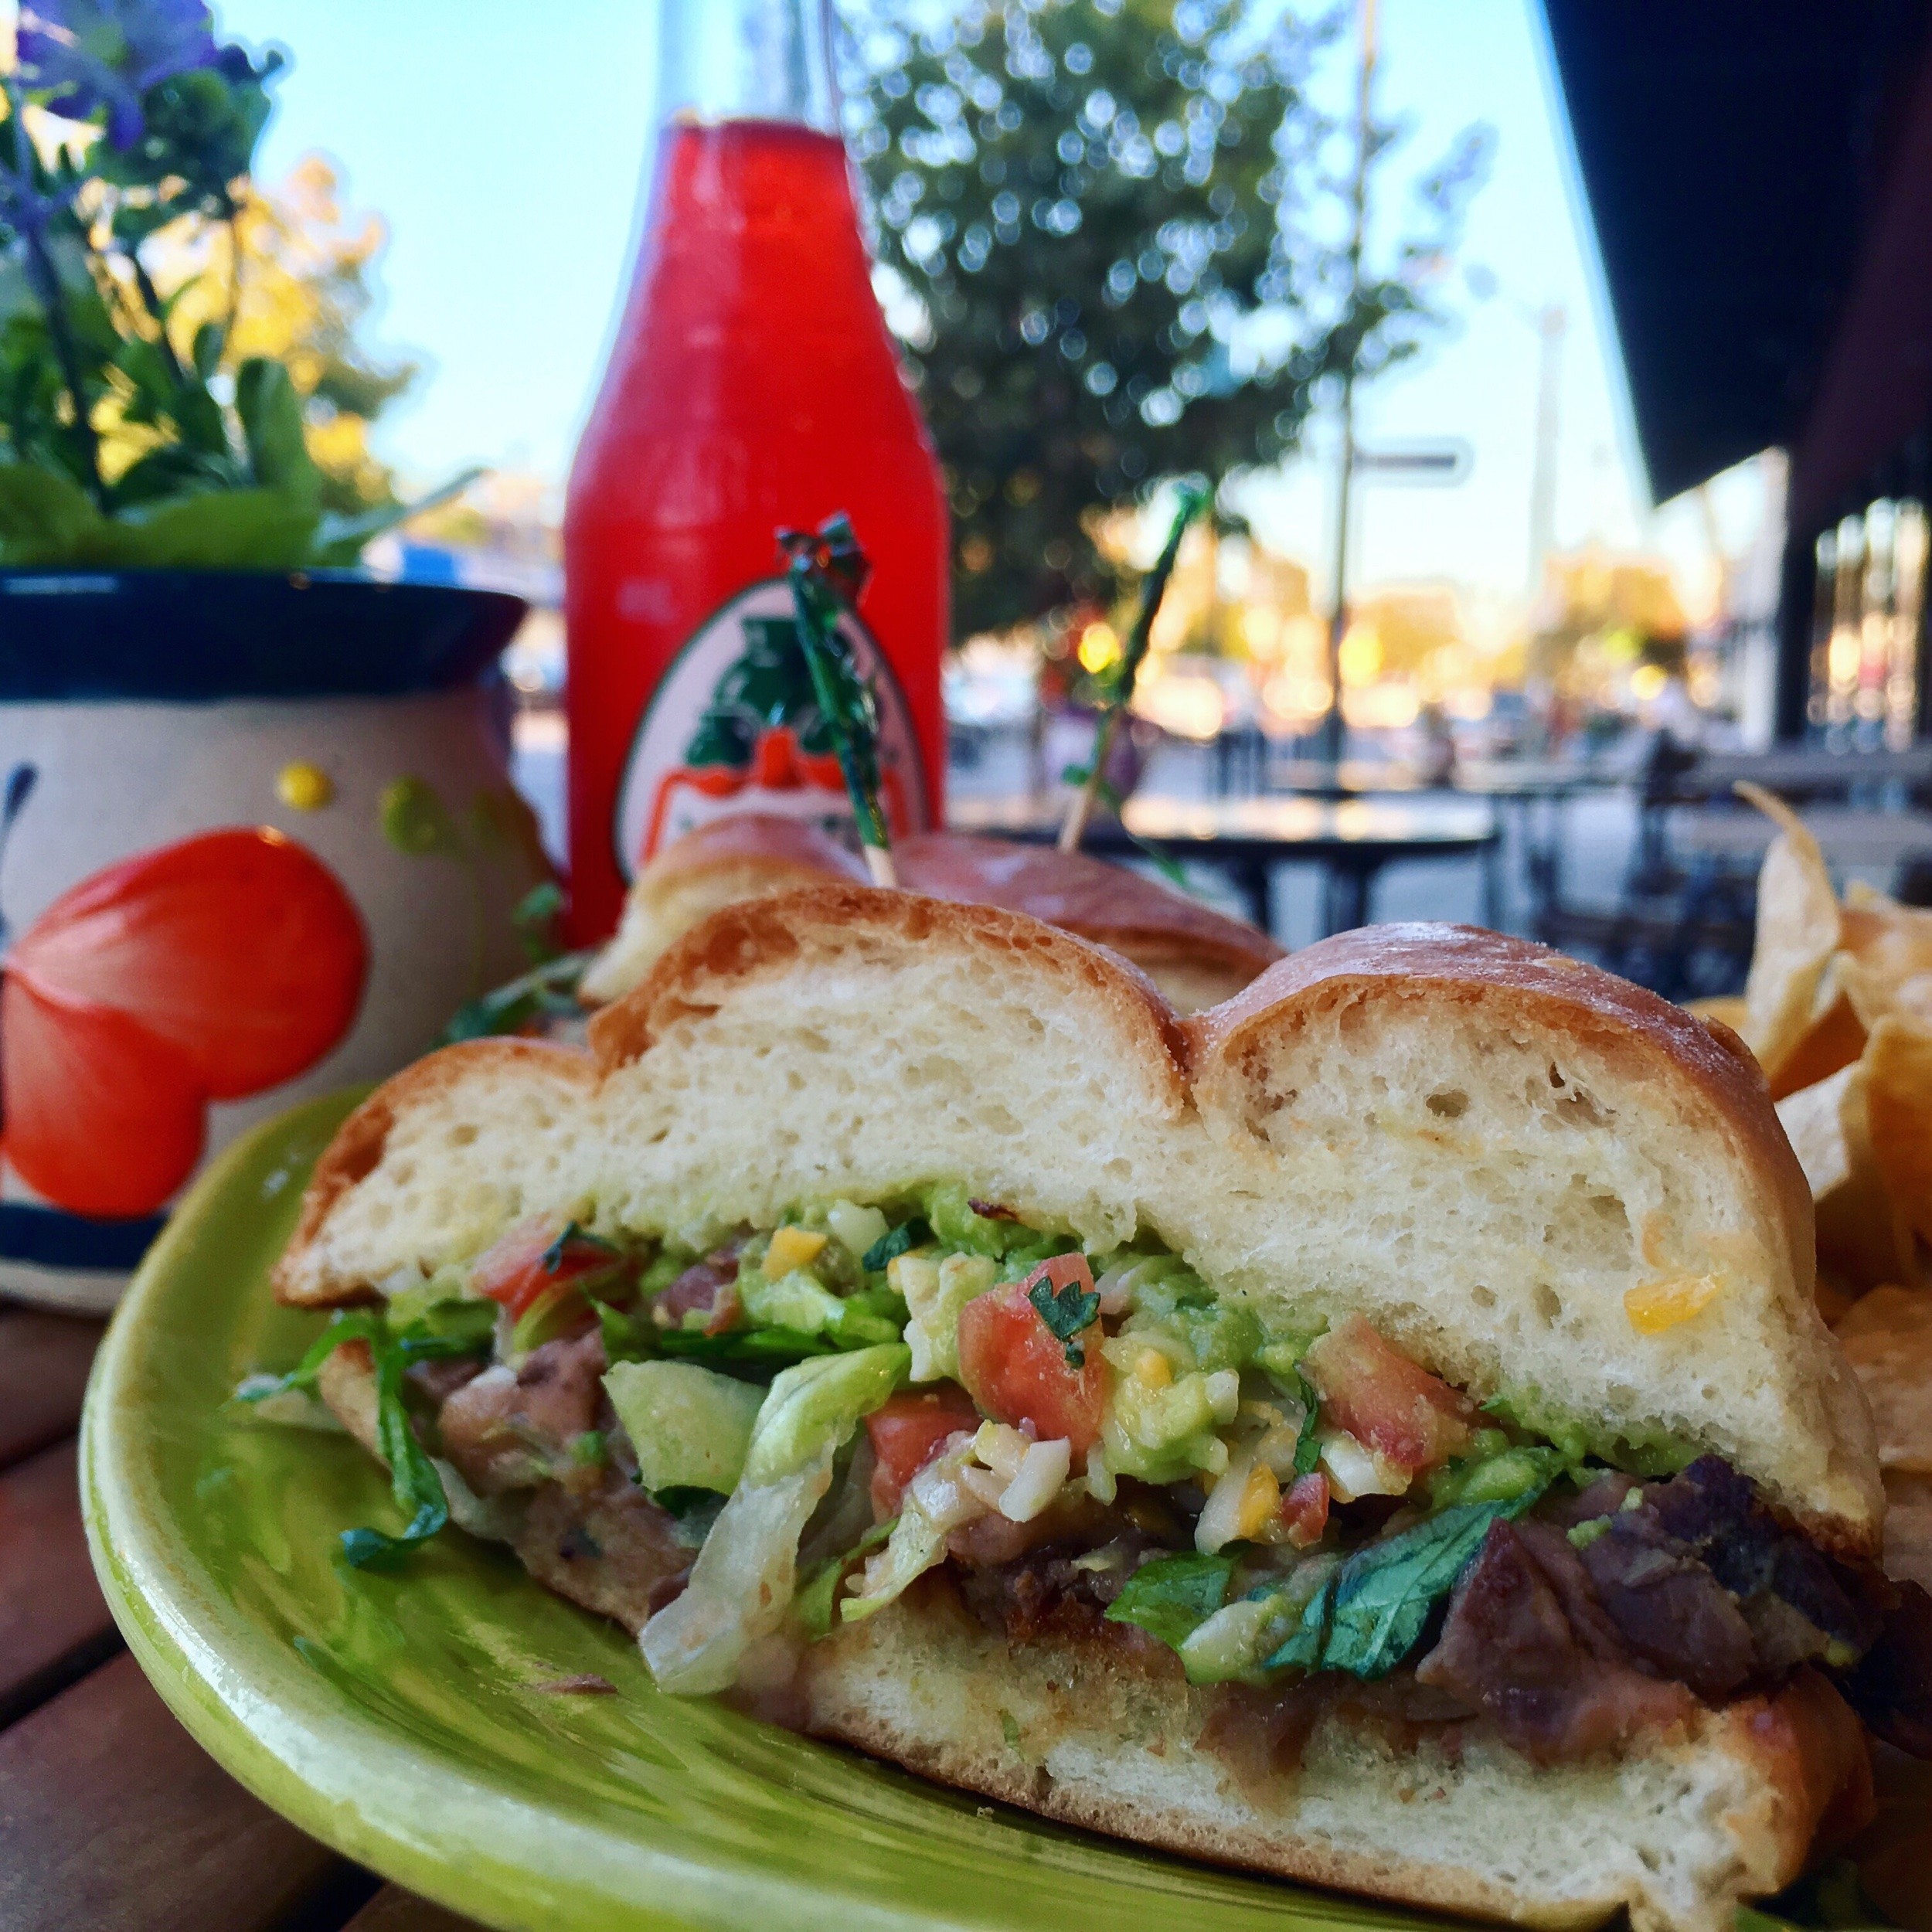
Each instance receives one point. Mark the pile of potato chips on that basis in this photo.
(1839, 1010)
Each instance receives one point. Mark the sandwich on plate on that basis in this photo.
(1195, 956)
(1376, 1431)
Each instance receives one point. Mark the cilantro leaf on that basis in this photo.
(1066, 1312)
(571, 1243)
(894, 1242)
(1365, 1619)
(1308, 1450)
(1172, 1596)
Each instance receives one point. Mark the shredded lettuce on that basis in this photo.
(935, 1503)
(817, 1405)
(690, 1428)
(446, 1330)
(741, 1585)
(814, 1603)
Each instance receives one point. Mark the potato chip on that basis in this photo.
(1887, 1338)
(1892, 1855)
(1898, 1102)
(1908, 1528)
(1885, 966)
(1798, 931)
(1862, 1238)
(1833, 1037)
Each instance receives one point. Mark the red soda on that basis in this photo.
(753, 384)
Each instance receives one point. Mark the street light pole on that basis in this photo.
(1333, 725)
(1549, 322)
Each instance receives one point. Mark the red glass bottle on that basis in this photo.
(753, 384)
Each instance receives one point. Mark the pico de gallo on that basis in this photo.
(774, 1435)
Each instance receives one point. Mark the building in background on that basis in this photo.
(1759, 174)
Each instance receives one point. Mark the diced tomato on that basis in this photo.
(907, 1434)
(1396, 1407)
(1015, 1367)
(534, 1257)
(1304, 1509)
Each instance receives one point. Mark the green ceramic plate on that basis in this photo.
(396, 1717)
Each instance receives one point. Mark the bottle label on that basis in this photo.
(733, 726)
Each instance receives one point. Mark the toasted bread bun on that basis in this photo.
(1676, 1829)
(1196, 957)
(1542, 1182)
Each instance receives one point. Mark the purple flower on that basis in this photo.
(84, 54)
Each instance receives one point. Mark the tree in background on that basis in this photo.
(294, 269)
(1121, 228)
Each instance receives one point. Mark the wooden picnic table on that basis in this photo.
(112, 1819)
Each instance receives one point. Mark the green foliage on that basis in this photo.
(1122, 220)
(138, 429)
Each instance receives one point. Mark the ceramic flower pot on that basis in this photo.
(257, 839)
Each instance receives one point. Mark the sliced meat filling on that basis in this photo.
(513, 1428)
(1526, 1643)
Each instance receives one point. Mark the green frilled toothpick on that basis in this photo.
(1194, 499)
(828, 570)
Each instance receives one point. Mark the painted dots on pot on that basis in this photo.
(303, 787)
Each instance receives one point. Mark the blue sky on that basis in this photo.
(504, 144)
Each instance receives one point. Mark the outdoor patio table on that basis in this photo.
(112, 1819)
(1353, 839)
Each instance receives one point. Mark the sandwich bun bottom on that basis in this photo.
(1675, 1831)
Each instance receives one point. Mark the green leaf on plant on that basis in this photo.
(44, 518)
(271, 420)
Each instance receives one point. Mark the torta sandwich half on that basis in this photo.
(1376, 1432)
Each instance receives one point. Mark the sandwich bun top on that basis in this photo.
(743, 855)
(1197, 957)
(1546, 1185)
